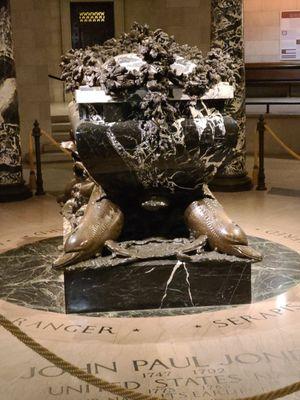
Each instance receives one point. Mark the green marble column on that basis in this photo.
(12, 185)
(227, 33)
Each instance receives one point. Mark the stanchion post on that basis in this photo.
(261, 185)
(36, 133)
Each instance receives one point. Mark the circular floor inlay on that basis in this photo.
(27, 277)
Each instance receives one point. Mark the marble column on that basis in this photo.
(12, 185)
(227, 33)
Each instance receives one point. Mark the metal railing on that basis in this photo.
(35, 175)
(261, 129)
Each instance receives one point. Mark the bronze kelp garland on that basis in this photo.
(96, 66)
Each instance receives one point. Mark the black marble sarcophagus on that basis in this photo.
(149, 135)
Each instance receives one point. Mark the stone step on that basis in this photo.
(61, 127)
(58, 109)
(61, 136)
(55, 157)
(59, 119)
(49, 148)
(49, 157)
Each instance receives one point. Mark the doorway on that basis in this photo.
(91, 23)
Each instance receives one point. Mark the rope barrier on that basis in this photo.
(32, 174)
(55, 143)
(112, 387)
(101, 383)
(68, 367)
(278, 140)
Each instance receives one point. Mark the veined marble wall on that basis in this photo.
(30, 31)
(10, 152)
(227, 33)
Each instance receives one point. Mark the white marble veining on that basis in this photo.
(87, 95)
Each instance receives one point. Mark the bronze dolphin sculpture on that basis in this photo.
(102, 221)
(208, 217)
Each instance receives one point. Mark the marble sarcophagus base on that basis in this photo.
(212, 280)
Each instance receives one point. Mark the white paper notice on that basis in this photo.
(290, 35)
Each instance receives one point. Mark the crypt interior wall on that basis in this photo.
(41, 30)
(262, 44)
(188, 20)
(262, 28)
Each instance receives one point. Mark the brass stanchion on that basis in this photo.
(255, 160)
(261, 185)
(32, 177)
(36, 133)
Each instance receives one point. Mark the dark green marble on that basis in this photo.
(27, 277)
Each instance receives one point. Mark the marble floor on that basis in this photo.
(219, 354)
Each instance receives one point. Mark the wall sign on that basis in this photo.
(290, 35)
